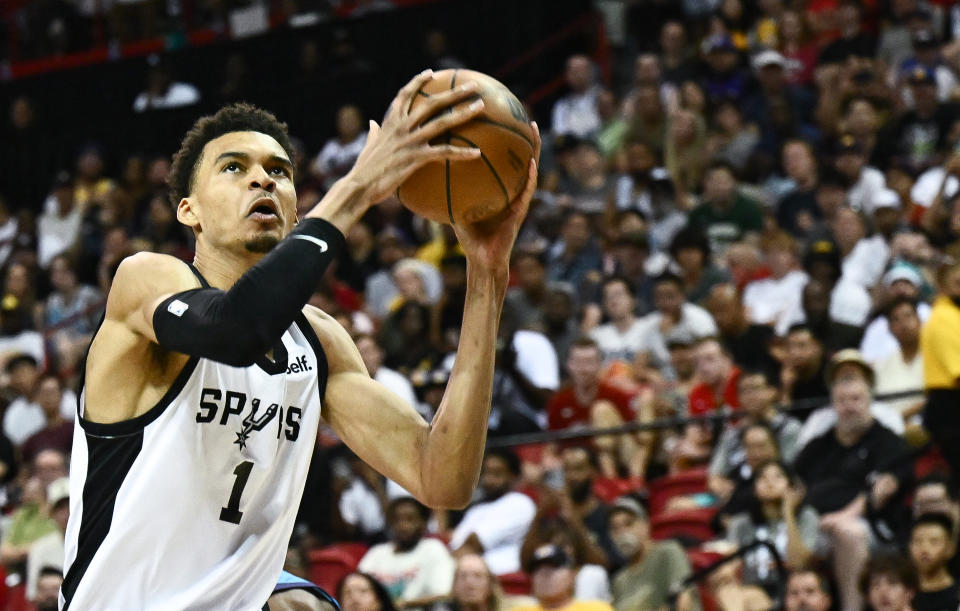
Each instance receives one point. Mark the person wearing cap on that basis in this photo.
(940, 344)
(926, 54)
(896, 39)
(901, 280)
(48, 551)
(576, 112)
(723, 78)
(776, 96)
(552, 581)
(848, 364)
(850, 159)
(654, 568)
(857, 468)
(917, 138)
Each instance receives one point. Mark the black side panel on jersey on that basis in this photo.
(108, 461)
(322, 368)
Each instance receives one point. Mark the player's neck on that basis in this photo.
(223, 268)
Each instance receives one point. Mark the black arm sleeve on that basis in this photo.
(238, 326)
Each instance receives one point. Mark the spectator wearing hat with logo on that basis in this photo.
(856, 469)
(864, 181)
(918, 139)
(552, 582)
(655, 568)
(940, 344)
(902, 280)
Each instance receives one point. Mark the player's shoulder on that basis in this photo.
(338, 346)
(144, 275)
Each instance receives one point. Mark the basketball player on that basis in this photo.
(205, 384)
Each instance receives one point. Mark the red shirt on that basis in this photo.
(564, 411)
(702, 399)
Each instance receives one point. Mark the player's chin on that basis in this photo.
(264, 240)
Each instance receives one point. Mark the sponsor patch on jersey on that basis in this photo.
(177, 308)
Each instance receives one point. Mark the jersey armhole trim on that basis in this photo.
(135, 425)
(322, 367)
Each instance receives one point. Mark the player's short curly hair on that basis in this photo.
(240, 117)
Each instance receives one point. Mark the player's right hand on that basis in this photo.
(400, 146)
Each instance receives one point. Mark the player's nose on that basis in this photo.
(260, 179)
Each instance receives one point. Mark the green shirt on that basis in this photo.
(727, 226)
(29, 524)
(645, 586)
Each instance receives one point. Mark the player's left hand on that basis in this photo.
(489, 245)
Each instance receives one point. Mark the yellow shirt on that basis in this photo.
(577, 605)
(940, 346)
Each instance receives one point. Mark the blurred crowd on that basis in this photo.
(747, 238)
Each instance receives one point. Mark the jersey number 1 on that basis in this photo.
(231, 513)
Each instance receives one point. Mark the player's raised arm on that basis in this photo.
(439, 463)
(235, 323)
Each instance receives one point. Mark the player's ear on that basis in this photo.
(187, 213)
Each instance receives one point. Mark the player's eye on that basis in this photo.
(232, 167)
(280, 171)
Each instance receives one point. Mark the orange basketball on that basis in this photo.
(479, 189)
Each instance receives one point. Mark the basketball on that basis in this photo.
(479, 189)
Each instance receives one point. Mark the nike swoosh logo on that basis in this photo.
(323, 245)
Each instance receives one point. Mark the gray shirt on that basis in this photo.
(729, 450)
(758, 565)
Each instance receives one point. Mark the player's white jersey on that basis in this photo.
(192, 504)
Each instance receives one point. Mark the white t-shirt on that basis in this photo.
(694, 320)
(501, 526)
(866, 262)
(537, 359)
(56, 234)
(592, 583)
(769, 301)
(336, 158)
(425, 571)
(895, 375)
(178, 95)
(360, 507)
(398, 383)
(824, 419)
(621, 346)
(860, 195)
(576, 113)
(878, 342)
(22, 419)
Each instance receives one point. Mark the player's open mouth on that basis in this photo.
(264, 209)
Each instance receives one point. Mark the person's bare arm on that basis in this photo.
(438, 462)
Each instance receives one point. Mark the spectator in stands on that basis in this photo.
(843, 366)
(935, 494)
(902, 281)
(889, 583)
(853, 40)
(405, 338)
(834, 468)
(734, 491)
(576, 112)
(575, 254)
(807, 590)
(553, 583)
(916, 138)
(29, 523)
(864, 258)
(940, 343)
(747, 343)
(770, 300)
(57, 432)
(931, 548)
(48, 551)
(560, 325)
(415, 570)
(722, 77)
(758, 397)
(496, 525)
(804, 366)
(690, 249)
(163, 92)
(654, 567)
(589, 400)
(797, 211)
(718, 379)
(580, 470)
(903, 370)
(524, 303)
(778, 515)
(625, 335)
(48, 589)
(475, 588)
(726, 215)
(674, 315)
(630, 252)
(72, 311)
(372, 355)
(864, 181)
(58, 227)
(361, 498)
(22, 417)
(338, 154)
(361, 592)
(777, 101)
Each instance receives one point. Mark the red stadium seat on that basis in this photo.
(331, 564)
(609, 489)
(693, 526)
(516, 584)
(669, 486)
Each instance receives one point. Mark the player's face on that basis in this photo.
(243, 195)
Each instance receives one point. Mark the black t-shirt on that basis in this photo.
(751, 350)
(835, 474)
(939, 600)
(814, 387)
(861, 45)
(790, 207)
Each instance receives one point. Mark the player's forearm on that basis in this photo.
(344, 203)
(454, 448)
